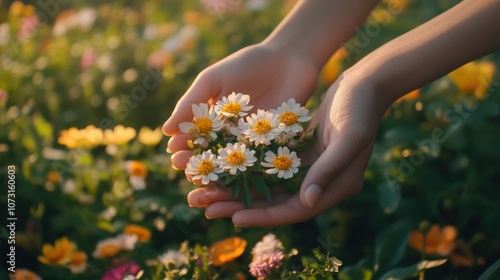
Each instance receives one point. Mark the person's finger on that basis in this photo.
(292, 210)
(180, 159)
(339, 154)
(178, 142)
(202, 197)
(223, 208)
(200, 91)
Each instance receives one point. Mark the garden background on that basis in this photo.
(85, 86)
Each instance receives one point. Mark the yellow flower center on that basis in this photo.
(206, 167)
(236, 158)
(288, 117)
(204, 124)
(232, 108)
(262, 126)
(282, 162)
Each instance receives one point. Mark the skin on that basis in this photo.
(352, 107)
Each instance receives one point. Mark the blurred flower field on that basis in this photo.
(86, 85)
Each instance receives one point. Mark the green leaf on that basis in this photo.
(261, 186)
(389, 197)
(247, 196)
(412, 270)
(355, 273)
(493, 269)
(390, 245)
(235, 189)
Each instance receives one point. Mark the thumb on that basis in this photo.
(336, 157)
(200, 91)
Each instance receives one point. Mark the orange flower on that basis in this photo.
(437, 242)
(78, 263)
(227, 250)
(474, 77)
(24, 274)
(143, 234)
(53, 177)
(413, 95)
(107, 249)
(136, 168)
(59, 254)
(333, 67)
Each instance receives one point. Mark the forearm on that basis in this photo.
(317, 28)
(466, 32)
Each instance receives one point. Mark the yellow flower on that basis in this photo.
(143, 234)
(78, 263)
(59, 254)
(150, 137)
(438, 241)
(227, 250)
(24, 274)
(333, 67)
(474, 77)
(119, 135)
(16, 9)
(413, 95)
(397, 6)
(88, 137)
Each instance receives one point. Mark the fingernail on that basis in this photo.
(168, 150)
(312, 194)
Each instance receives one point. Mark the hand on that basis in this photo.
(270, 75)
(348, 119)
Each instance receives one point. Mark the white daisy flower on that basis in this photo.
(261, 128)
(236, 157)
(173, 257)
(234, 105)
(204, 125)
(285, 164)
(204, 167)
(291, 114)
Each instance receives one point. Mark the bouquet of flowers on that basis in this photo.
(241, 151)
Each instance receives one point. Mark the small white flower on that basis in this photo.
(268, 245)
(234, 105)
(204, 125)
(261, 128)
(236, 157)
(291, 115)
(137, 182)
(128, 241)
(173, 257)
(203, 167)
(285, 164)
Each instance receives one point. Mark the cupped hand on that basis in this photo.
(348, 119)
(268, 74)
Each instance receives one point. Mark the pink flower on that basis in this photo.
(28, 26)
(121, 271)
(219, 6)
(88, 59)
(262, 266)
